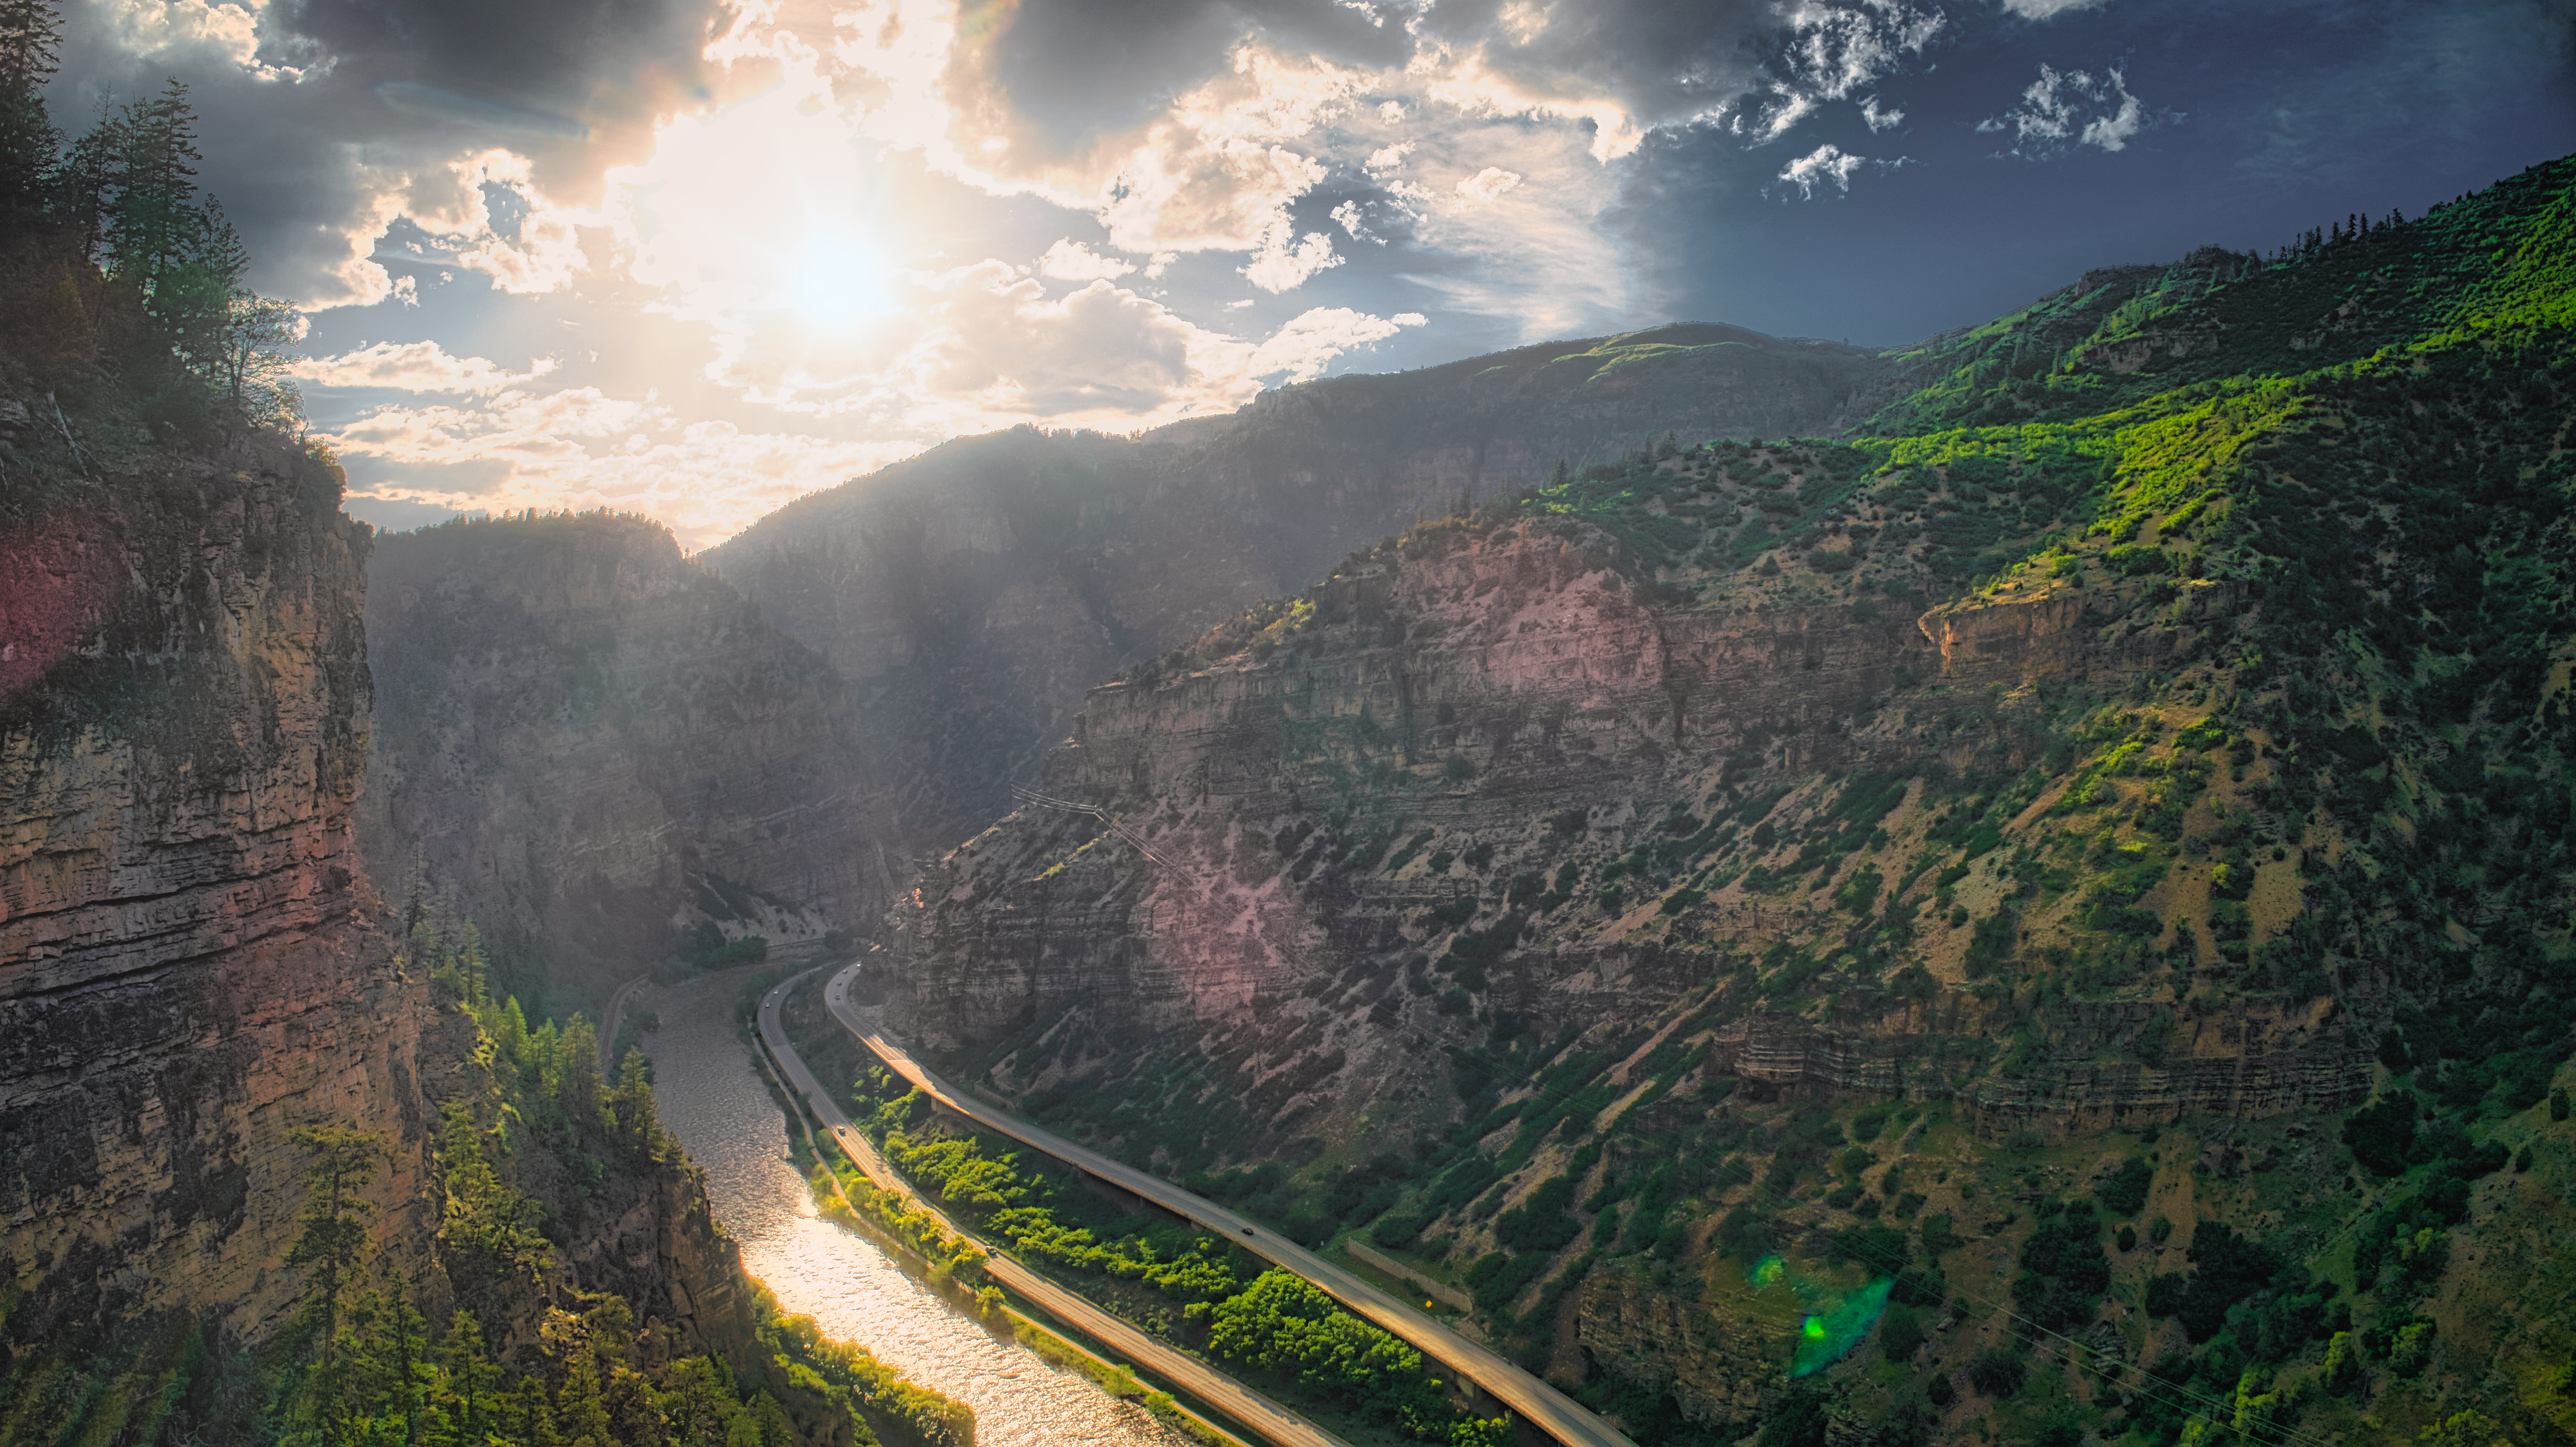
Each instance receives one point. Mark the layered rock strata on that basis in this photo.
(187, 969)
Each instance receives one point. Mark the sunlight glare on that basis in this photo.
(765, 207)
(833, 280)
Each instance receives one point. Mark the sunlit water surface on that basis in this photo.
(712, 1097)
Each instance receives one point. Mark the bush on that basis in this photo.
(2381, 1134)
(1998, 1372)
(2125, 1194)
(1540, 1222)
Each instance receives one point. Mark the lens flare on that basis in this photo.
(1836, 1327)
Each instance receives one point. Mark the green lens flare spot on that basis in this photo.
(1839, 1325)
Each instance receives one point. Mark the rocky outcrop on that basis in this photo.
(977, 591)
(187, 969)
(2056, 630)
(1717, 1366)
(596, 742)
(2252, 1058)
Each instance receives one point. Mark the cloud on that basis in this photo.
(1279, 266)
(1836, 53)
(1301, 350)
(2063, 110)
(1070, 260)
(581, 449)
(1824, 163)
(416, 367)
(1487, 185)
(2043, 9)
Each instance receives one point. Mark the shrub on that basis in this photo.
(2381, 1134)
(1998, 1372)
(1540, 1223)
(2125, 1194)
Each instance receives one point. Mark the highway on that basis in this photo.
(1251, 1409)
(1551, 1410)
(609, 1027)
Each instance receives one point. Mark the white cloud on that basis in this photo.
(580, 449)
(151, 27)
(1282, 266)
(1837, 53)
(1310, 342)
(1827, 163)
(1070, 260)
(2063, 110)
(416, 367)
(1488, 185)
(2043, 9)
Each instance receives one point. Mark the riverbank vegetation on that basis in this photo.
(1205, 1295)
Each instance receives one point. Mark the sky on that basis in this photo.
(696, 258)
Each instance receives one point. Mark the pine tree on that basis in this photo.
(470, 1387)
(531, 1418)
(153, 223)
(29, 143)
(332, 1237)
(578, 1087)
(581, 1412)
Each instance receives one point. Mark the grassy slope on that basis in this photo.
(2344, 470)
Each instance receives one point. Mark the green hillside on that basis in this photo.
(2302, 525)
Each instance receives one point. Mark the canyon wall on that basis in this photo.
(975, 592)
(188, 969)
(1253, 857)
(596, 743)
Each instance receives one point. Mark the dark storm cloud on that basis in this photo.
(348, 103)
(1081, 67)
(601, 63)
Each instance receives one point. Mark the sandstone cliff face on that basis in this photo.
(977, 591)
(579, 728)
(186, 968)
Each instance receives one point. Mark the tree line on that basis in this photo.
(114, 263)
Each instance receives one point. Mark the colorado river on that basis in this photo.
(712, 1097)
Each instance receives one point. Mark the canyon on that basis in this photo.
(595, 745)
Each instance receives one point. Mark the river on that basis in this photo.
(712, 1097)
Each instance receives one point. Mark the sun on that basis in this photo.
(832, 279)
(767, 207)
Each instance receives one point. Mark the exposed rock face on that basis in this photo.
(1718, 1367)
(186, 968)
(580, 727)
(1531, 656)
(977, 591)
(2256, 1058)
(1472, 729)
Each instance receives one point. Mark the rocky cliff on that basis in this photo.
(975, 592)
(193, 967)
(600, 746)
(187, 967)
